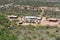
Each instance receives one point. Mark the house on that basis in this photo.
(32, 19)
(29, 18)
(39, 18)
(49, 21)
(52, 20)
(12, 16)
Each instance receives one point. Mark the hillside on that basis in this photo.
(12, 29)
(50, 0)
(27, 1)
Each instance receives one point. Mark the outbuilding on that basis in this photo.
(12, 16)
(32, 18)
(52, 20)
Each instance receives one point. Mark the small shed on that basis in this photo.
(20, 22)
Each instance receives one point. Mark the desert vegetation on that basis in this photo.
(19, 12)
(52, 14)
(11, 31)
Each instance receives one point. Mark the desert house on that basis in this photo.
(32, 19)
(52, 20)
(49, 21)
(12, 16)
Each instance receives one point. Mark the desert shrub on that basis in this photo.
(30, 26)
(58, 38)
